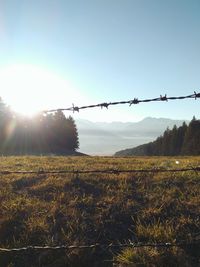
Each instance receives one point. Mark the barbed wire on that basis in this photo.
(102, 246)
(108, 171)
(130, 102)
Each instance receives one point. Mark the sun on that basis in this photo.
(29, 89)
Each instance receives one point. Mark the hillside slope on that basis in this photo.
(183, 140)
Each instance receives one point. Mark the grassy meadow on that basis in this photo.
(71, 209)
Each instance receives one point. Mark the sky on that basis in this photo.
(57, 52)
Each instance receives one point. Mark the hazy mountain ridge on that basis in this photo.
(104, 138)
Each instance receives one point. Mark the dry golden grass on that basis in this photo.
(41, 209)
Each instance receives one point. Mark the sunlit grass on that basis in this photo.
(57, 209)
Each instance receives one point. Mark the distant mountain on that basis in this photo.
(103, 138)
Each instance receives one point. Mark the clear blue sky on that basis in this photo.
(109, 50)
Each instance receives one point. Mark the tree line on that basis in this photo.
(183, 140)
(42, 134)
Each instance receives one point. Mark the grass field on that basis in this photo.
(72, 209)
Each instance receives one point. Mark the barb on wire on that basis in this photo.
(108, 171)
(130, 102)
(197, 95)
(163, 98)
(100, 246)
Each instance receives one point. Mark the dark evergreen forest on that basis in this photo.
(42, 134)
(184, 140)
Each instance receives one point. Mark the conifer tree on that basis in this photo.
(52, 133)
(191, 144)
(73, 141)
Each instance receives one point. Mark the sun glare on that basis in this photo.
(29, 89)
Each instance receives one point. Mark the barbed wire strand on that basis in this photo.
(108, 171)
(130, 102)
(101, 246)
